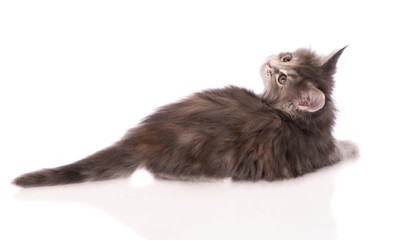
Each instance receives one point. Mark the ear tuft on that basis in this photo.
(329, 63)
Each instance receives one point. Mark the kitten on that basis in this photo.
(228, 133)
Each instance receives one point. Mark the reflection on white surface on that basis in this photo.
(295, 209)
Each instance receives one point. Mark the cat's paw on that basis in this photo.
(348, 150)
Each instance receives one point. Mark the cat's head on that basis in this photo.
(299, 82)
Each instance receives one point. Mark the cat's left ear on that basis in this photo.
(329, 63)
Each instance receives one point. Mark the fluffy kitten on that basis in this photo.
(229, 133)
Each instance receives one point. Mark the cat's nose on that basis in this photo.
(269, 59)
(272, 62)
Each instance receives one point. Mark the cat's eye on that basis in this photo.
(286, 58)
(282, 79)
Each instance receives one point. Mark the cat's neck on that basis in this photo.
(321, 122)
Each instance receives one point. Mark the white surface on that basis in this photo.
(75, 75)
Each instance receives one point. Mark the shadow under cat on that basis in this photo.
(291, 209)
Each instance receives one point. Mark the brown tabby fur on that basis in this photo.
(228, 133)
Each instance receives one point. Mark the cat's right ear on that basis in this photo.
(329, 63)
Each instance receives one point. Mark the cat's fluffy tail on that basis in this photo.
(113, 162)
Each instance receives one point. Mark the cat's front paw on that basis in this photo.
(348, 150)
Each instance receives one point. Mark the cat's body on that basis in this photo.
(228, 133)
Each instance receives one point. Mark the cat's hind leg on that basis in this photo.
(346, 150)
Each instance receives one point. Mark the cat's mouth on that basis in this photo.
(267, 65)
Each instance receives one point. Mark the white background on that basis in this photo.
(75, 75)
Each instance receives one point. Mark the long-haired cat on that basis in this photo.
(284, 132)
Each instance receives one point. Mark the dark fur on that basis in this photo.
(221, 133)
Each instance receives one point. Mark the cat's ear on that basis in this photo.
(310, 100)
(328, 63)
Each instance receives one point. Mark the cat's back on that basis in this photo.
(231, 105)
(221, 115)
